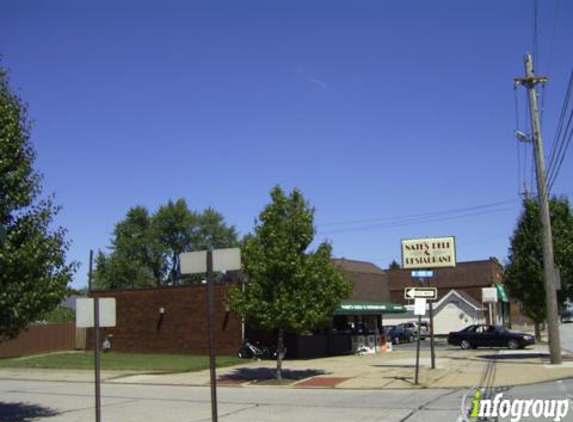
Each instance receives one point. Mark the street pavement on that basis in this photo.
(73, 402)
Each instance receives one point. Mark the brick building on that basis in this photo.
(171, 320)
(369, 282)
(469, 277)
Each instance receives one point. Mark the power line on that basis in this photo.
(419, 220)
(419, 215)
(562, 138)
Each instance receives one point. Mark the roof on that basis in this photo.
(461, 295)
(466, 274)
(351, 265)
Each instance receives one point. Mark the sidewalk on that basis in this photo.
(456, 368)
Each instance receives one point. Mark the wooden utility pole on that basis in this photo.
(529, 82)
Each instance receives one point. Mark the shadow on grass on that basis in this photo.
(262, 374)
(23, 412)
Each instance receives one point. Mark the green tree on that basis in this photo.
(137, 259)
(524, 272)
(145, 248)
(213, 232)
(394, 265)
(34, 273)
(288, 288)
(175, 228)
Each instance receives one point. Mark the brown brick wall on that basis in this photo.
(41, 339)
(469, 277)
(182, 329)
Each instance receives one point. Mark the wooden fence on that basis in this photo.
(44, 338)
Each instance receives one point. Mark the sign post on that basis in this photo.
(96, 313)
(207, 262)
(419, 309)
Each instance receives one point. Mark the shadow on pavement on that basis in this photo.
(513, 356)
(395, 366)
(257, 374)
(23, 412)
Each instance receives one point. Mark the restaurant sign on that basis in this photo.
(430, 252)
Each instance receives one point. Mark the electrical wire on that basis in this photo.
(425, 218)
(566, 142)
(562, 138)
(420, 215)
(557, 138)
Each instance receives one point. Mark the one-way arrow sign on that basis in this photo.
(430, 293)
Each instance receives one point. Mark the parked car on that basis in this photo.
(413, 326)
(480, 335)
(398, 334)
(567, 316)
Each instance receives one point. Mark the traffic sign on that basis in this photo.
(422, 273)
(430, 293)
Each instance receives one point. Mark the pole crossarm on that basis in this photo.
(530, 81)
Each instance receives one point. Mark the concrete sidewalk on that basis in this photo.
(394, 370)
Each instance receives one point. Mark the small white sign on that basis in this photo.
(223, 260)
(85, 312)
(193, 262)
(420, 307)
(430, 293)
(489, 295)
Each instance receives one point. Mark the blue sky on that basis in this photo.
(376, 110)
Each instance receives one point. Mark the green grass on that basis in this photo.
(119, 361)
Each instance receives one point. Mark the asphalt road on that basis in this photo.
(67, 402)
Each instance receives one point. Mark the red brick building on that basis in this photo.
(171, 320)
(469, 277)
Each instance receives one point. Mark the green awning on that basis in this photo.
(501, 293)
(369, 308)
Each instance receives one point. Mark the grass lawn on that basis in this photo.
(119, 361)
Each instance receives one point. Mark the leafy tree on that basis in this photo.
(394, 265)
(34, 274)
(145, 248)
(175, 228)
(212, 231)
(60, 314)
(289, 288)
(136, 260)
(524, 272)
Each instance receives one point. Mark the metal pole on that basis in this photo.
(418, 350)
(530, 81)
(432, 351)
(96, 343)
(211, 319)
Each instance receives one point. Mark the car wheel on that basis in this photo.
(411, 339)
(465, 344)
(513, 344)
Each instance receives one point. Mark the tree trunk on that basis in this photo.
(280, 347)
(537, 331)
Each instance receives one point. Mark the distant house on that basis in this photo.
(452, 312)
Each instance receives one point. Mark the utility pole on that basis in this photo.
(529, 82)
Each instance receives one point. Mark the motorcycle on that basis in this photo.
(250, 350)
